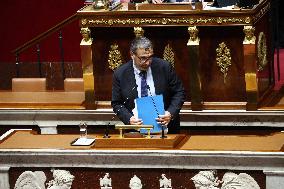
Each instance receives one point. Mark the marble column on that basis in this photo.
(4, 177)
(274, 179)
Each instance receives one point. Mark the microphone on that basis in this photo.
(155, 106)
(106, 135)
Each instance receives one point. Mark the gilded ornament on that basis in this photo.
(137, 21)
(261, 51)
(249, 35)
(191, 21)
(193, 33)
(169, 21)
(84, 21)
(247, 20)
(110, 22)
(138, 31)
(169, 55)
(262, 12)
(86, 36)
(223, 59)
(219, 20)
(114, 57)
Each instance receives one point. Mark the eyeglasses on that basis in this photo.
(144, 59)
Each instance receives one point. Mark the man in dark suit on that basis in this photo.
(157, 75)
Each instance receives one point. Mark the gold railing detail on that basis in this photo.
(223, 59)
(169, 55)
(114, 57)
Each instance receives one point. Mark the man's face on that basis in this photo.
(143, 58)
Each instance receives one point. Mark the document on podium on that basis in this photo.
(83, 142)
(148, 109)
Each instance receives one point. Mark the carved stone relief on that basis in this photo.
(209, 180)
(165, 183)
(36, 180)
(32, 180)
(105, 182)
(135, 183)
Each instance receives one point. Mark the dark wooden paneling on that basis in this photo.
(161, 36)
(213, 86)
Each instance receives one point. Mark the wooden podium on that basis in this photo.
(260, 156)
(35, 141)
(223, 57)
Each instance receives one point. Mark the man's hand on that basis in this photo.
(164, 119)
(134, 121)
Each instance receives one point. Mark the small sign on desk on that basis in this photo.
(83, 142)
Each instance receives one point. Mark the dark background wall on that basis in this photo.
(21, 21)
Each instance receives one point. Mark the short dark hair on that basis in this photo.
(140, 42)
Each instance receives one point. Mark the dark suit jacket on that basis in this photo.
(166, 83)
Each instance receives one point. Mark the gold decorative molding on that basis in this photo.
(167, 21)
(193, 33)
(86, 36)
(261, 51)
(249, 35)
(264, 10)
(138, 31)
(84, 21)
(169, 55)
(223, 59)
(114, 57)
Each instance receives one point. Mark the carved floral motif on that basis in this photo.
(114, 57)
(169, 55)
(223, 59)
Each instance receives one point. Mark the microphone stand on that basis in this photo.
(163, 132)
(107, 129)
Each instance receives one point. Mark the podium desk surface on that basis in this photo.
(256, 143)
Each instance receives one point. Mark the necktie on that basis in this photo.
(144, 90)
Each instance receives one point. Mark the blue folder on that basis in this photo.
(148, 109)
